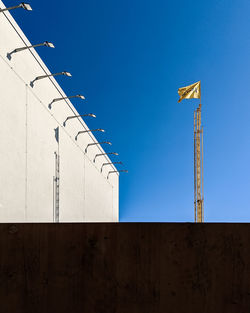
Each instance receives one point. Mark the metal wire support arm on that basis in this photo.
(97, 143)
(100, 154)
(64, 98)
(23, 5)
(76, 116)
(87, 131)
(109, 163)
(111, 172)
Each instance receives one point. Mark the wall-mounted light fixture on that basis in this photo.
(100, 154)
(25, 6)
(75, 116)
(90, 130)
(45, 43)
(49, 75)
(97, 143)
(63, 98)
(109, 163)
(121, 171)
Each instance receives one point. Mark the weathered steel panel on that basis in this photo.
(126, 267)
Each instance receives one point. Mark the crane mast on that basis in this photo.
(198, 167)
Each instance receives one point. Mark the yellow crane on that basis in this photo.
(198, 167)
(188, 92)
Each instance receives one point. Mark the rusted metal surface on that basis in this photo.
(137, 267)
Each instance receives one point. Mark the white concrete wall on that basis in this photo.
(28, 145)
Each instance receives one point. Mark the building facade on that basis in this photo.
(45, 174)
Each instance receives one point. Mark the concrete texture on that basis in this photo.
(28, 144)
(149, 268)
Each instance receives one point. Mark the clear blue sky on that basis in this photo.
(129, 58)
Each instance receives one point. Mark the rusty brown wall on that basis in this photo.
(132, 268)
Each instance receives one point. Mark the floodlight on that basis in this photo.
(45, 43)
(89, 130)
(109, 163)
(101, 154)
(49, 44)
(63, 98)
(48, 75)
(26, 6)
(23, 5)
(67, 74)
(80, 96)
(121, 171)
(97, 143)
(75, 116)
